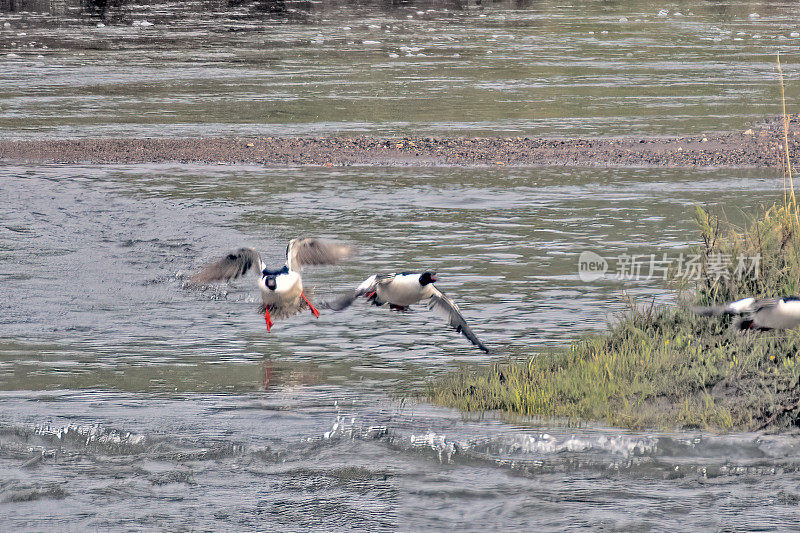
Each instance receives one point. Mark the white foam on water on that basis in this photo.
(444, 449)
(90, 433)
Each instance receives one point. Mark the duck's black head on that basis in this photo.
(270, 275)
(426, 278)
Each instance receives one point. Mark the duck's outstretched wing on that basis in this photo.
(739, 307)
(444, 305)
(310, 251)
(369, 285)
(232, 266)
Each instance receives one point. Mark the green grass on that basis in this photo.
(663, 366)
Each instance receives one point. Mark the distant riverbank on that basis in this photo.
(757, 147)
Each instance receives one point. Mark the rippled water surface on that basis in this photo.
(132, 401)
(547, 68)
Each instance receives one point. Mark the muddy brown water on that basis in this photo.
(131, 402)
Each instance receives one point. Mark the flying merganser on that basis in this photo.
(281, 290)
(759, 313)
(400, 290)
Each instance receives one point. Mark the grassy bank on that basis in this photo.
(665, 367)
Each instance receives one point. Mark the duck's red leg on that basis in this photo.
(313, 309)
(268, 319)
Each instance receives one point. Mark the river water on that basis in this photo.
(130, 401)
(546, 68)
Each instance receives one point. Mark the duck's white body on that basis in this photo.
(760, 313)
(281, 290)
(783, 315)
(402, 290)
(288, 288)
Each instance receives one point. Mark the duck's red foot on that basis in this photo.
(310, 306)
(394, 307)
(268, 320)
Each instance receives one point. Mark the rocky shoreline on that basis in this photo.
(762, 146)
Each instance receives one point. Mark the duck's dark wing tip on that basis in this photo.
(711, 310)
(232, 266)
(476, 341)
(342, 302)
(440, 302)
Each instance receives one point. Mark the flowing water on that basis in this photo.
(540, 68)
(131, 401)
